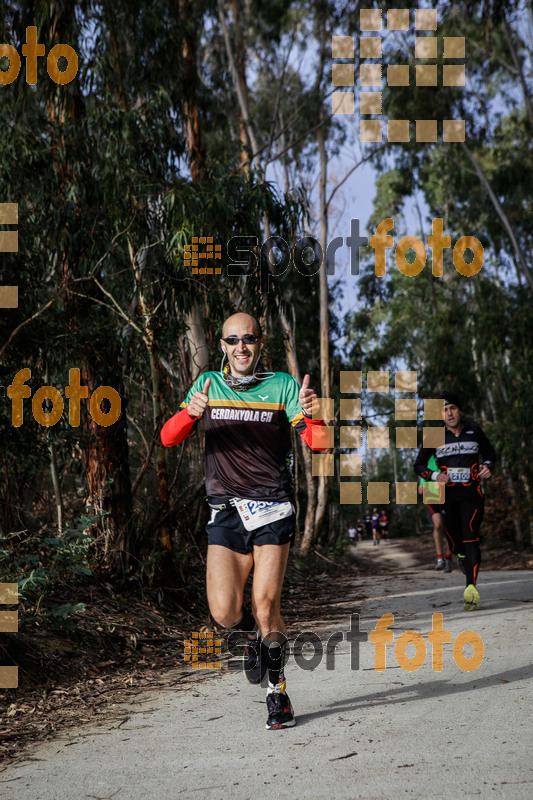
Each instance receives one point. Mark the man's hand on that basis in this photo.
(485, 472)
(443, 477)
(308, 398)
(199, 400)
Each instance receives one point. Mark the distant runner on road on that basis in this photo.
(375, 526)
(459, 468)
(248, 416)
(368, 524)
(384, 525)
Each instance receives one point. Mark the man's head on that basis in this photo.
(452, 410)
(242, 355)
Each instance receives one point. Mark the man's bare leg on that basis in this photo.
(227, 572)
(441, 542)
(437, 533)
(270, 562)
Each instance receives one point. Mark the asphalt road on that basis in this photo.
(361, 733)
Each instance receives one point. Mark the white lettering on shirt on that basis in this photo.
(241, 414)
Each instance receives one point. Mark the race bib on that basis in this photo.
(255, 513)
(459, 474)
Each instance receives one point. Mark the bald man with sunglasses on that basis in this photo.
(248, 416)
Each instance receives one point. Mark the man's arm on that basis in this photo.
(314, 432)
(421, 464)
(488, 453)
(487, 450)
(178, 428)
(181, 425)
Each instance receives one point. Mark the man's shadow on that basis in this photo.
(417, 692)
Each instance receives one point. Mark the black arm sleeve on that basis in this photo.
(487, 450)
(421, 463)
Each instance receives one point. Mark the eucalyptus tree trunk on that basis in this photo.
(323, 481)
(240, 67)
(197, 343)
(58, 495)
(138, 262)
(54, 472)
(294, 368)
(198, 351)
(105, 456)
(196, 340)
(195, 149)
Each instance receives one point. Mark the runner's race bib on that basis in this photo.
(459, 474)
(255, 513)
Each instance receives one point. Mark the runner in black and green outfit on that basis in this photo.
(460, 469)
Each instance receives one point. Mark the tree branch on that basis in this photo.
(359, 163)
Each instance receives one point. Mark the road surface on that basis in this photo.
(361, 733)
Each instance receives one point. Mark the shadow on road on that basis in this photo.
(419, 692)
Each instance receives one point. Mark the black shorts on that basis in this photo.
(226, 528)
(434, 509)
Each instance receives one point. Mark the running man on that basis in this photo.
(368, 524)
(375, 526)
(459, 469)
(352, 533)
(248, 416)
(434, 509)
(384, 525)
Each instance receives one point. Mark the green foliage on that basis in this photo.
(48, 565)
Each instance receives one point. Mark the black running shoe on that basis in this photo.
(280, 711)
(254, 666)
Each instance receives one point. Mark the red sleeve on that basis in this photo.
(316, 434)
(177, 428)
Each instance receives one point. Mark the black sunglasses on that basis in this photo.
(248, 338)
